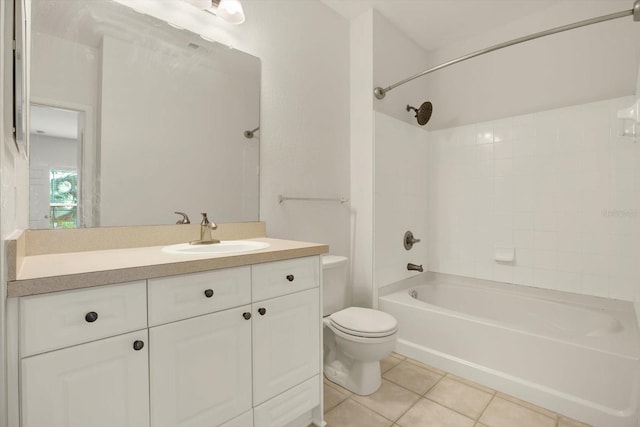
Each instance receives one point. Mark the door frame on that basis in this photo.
(88, 157)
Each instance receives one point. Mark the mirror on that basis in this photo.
(132, 119)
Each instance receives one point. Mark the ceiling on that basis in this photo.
(433, 24)
(54, 122)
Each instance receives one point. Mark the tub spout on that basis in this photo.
(415, 267)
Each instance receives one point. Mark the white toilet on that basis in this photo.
(355, 338)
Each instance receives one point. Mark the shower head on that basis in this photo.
(423, 114)
(250, 133)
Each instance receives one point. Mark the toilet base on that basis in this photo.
(363, 378)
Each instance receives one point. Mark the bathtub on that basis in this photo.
(573, 354)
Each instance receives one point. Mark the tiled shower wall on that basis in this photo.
(401, 204)
(559, 186)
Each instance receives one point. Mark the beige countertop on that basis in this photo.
(53, 272)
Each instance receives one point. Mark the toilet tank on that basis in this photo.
(335, 283)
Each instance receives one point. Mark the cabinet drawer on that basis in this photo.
(180, 297)
(284, 277)
(62, 319)
(289, 405)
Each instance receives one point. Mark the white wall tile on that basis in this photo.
(558, 185)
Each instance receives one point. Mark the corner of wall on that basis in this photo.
(361, 163)
(396, 57)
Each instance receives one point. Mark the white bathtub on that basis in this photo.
(573, 354)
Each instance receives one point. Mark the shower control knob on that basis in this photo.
(290, 277)
(138, 345)
(91, 317)
(208, 293)
(262, 311)
(246, 315)
(409, 240)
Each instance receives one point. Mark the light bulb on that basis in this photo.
(231, 11)
(231, 6)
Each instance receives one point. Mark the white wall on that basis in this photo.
(560, 186)
(304, 47)
(64, 71)
(575, 67)
(396, 57)
(401, 185)
(361, 164)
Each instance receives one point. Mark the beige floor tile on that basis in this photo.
(471, 383)
(352, 414)
(460, 397)
(390, 400)
(341, 389)
(429, 414)
(504, 413)
(412, 377)
(480, 425)
(333, 397)
(398, 355)
(531, 406)
(566, 422)
(388, 363)
(424, 365)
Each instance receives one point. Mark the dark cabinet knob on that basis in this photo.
(208, 293)
(91, 316)
(246, 315)
(138, 345)
(290, 277)
(262, 311)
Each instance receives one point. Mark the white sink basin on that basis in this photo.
(224, 247)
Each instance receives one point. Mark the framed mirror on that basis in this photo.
(132, 119)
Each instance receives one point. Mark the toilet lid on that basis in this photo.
(364, 322)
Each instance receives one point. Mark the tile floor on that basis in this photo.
(417, 395)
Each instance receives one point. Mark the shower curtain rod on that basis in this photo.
(635, 12)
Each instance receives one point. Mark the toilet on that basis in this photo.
(355, 338)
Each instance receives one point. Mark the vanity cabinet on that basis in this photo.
(235, 347)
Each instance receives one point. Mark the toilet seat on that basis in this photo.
(364, 322)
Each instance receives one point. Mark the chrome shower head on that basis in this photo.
(423, 114)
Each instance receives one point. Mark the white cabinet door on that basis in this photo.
(200, 369)
(100, 384)
(286, 343)
(244, 420)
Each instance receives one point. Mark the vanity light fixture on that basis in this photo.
(228, 10)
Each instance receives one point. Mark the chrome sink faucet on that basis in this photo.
(205, 232)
